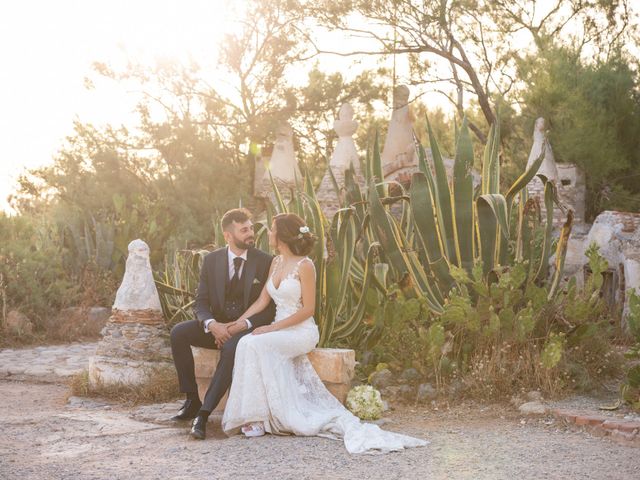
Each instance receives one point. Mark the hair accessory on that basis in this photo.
(302, 231)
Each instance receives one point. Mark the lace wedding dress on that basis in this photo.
(274, 383)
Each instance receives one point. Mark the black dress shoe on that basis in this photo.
(199, 427)
(189, 410)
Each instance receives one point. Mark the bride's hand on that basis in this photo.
(264, 329)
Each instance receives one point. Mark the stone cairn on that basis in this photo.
(399, 152)
(344, 156)
(134, 340)
(282, 164)
(549, 169)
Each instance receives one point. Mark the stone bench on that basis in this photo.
(335, 367)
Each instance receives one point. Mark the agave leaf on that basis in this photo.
(423, 216)
(463, 197)
(376, 168)
(281, 206)
(561, 253)
(349, 326)
(524, 179)
(491, 161)
(444, 213)
(546, 246)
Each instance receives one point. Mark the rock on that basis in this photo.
(336, 365)
(456, 388)
(406, 392)
(18, 323)
(79, 402)
(158, 413)
(381, 379)
(391, 392)
(532, 408)
(534, 396)
(410, 375)
(138, 289)
(426, 392)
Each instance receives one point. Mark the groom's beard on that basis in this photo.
(245, 244)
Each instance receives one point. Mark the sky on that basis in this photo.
(47, 49)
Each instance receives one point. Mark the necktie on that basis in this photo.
(237, 264)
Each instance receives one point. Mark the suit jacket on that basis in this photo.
(213, 280)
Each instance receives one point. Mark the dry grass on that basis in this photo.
(499, 371)
(160, 386)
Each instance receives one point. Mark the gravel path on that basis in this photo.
(45, 435)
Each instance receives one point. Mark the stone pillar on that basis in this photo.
(399, 147)
(334, 366)
(135, 339)
(344, 156)
(283, 164)
(548, 167)
(568, 179)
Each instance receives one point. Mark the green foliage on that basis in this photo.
(40, 275)
(552, 351)
(32, 265)
(490, 295)
(594, 114)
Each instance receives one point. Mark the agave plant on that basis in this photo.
(448, 229)
(425, 240)
(346, 270)
(177, 284)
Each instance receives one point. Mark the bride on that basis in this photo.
(275, 388)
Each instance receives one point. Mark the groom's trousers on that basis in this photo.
(186, 334)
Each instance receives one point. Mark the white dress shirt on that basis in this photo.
(232, 269)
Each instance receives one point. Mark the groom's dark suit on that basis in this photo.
(223, 299)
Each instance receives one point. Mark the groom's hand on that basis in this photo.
(219, 331)
(236, 327)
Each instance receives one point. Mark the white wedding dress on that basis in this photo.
(274, 383)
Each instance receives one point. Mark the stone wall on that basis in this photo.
(617, 234)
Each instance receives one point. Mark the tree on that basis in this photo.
(594, 115)
(469, 47)
(185, 160)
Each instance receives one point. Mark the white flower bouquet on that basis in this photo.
(365, 402)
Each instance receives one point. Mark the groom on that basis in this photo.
(231, 279)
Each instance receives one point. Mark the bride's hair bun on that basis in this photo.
(293, 231)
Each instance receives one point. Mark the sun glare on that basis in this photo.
(48, 49)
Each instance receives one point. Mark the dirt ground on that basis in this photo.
(46, 435)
